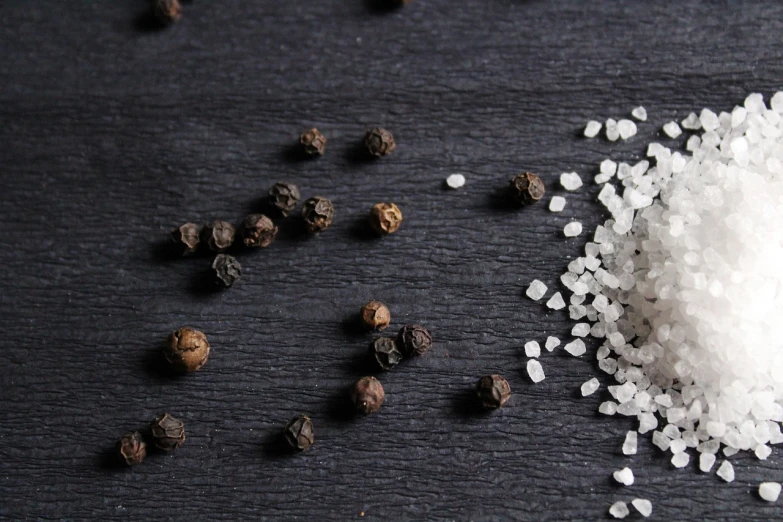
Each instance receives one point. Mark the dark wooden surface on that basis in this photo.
(113, 132)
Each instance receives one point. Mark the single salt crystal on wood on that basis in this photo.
(536, 290)
(592, 129)
(580, 330)
(608, 167)
(572, 229)
(570, 180)
(643, 506)
(672, 130)
(677, 446)
(590, 387)
(551, 343)
(612, 132)
(769, 491)
(623, 476)
(557, 203)
(535, 371)
(691, 122)
(680, 460)
(726, 471)
(706, 461)
(777, 102)
(626, 129)
(762, 452)
(576, 347)
(455, 181)
(619, 510)
(608, 408)
(556, 302)
(629, 445)
(709, 120)
(647, 422)
(662, 441)
(640, 113)
(532, 349)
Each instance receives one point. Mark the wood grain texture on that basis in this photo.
(114, 132)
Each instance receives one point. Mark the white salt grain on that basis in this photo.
(455, 181)
(580, 330)
(532, 349)
(551, 343)
(630, 443)
(612, 131)
(592, 129)
(692, 122)
(672, 130)
(662, 441)
(536, 290)
(643, 506)
(726, 471)
(535, 371)
(572, 229)
(608, 167)
(626, 128)
(623, 476)
(590, 387)
(576, 347)
(608, 408)
(680, 460)
(706, 461)
(557, 203)
(640, 113)
(619, 510)
(769, 491)
(556, 302)
(570, 180)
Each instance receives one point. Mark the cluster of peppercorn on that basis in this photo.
(166, 433)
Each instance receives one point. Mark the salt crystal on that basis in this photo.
(575, 347)
(580, 330)
(619, 510)
(536, 290)
(643, 506)
(608, 408)
(640, 113)
(671, 431)
(647, 422)
(726, 471)
(612, 131)
(608, 167)
(672, 130)
(592, 129)
(535, 371)
(709, 120)
(762, 452)
(573, 229)
(557, 203)
(570, 180)
(680, 460)
(623, 476)
(626, 129)
(630, 443)
(777, 102)
(556, 302)
(706, 461)
(662, 441)
(691, 122)
(589, 387)
(551, 343)
(532, 349)
(455, 181)
(677, 446)
(769, 491)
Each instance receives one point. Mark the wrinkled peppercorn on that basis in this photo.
(299, 434)
(367, 395)
(379, 142)
(258, 231)
(131, 448)
(167, 11)
(167, 432)
(186, 349)
(414, 339)
(218, 235)
(313, 142)
(284, 197)
(385, 352)
(226, 270)
(385, 218)
(526, 188)
(493, 391)
(376, 315)
(186, 238)
(318, 213)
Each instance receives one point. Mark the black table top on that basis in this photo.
(114, 131)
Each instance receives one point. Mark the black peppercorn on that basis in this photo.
(385, 218)
(376, 315)
(258, 231)
(318, 214)
(385, 352)
(167, 432)
(367, 395)
(226, 270)
(186, 238)
(131, 448)
(284, 197)
(414, 339)
(526, 188)
(313, 142)
(299, 434)
(167, 11)
(379, 142)
(493, 391)
(218, 235)
(186, 349)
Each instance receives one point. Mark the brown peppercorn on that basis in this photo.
(131, 448)
(313, 142)
(367, 395)
(258, 231)
(493, 391)
(226, 270)
(379, 142)
(186, 238)
(299, 434)
(186, 349)
(318, 214)
(284, 197)
(167, 432)
(167, 11)
(414, 339)
(385, 218)
(218, 235)
(526, 188)
(376, 315)
(385, 352)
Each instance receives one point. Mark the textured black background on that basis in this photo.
(113, 132)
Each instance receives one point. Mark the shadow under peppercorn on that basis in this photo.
(155, 364)
(501, 201)
(380, 7)
(467, 405)
(108, 459)
(362, 230)
(147, 22)
(357, 154)
(274, 445)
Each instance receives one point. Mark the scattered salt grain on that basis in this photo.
(535, 371)
(532, 349)
(769, 491)
(706, 461)
(556, 302)
(580, 330)
(590, 387)
(640, 113)
(623, 476)
(570, 180)
(643, 506)
(608, 167)
(626, 128)
(608, 408)
(680, 460)
(619, 510)
(572, 229)
(662, 441)
(557, 204)
(762, 452)
(551, 343)
(612, 131)
(576, 347)
(592, 129)
(455, 181)
(677, 446)
(536, 290)
(672, 130)
(630, 443)
(691, 122)
(726, 471)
